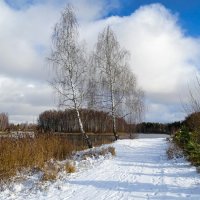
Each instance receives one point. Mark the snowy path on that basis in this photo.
(139, 171)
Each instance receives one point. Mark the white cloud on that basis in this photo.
(158, 112)
(163, 58)
(89, 13)
(21, 98)
(25, 40)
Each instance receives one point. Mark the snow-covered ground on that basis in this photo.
(140, 170)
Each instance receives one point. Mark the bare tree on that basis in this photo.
(194, 98)
(113, 85)
(133, 100)
(69, 64)
(131, 106)
(192, 106)
(111, 61)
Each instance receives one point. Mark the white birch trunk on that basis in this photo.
(89, 143)
(113, 113)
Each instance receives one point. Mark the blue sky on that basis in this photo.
(162, 37)
(188, 11)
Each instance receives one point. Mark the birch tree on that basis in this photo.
(111, 61)
(114, 86)
(133, 105)
(69, 64)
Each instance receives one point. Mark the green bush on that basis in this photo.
(189, 143)
(190, 147)
(184, 136)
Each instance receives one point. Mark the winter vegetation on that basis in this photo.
(29, 153)
(140, 170)
(187, 139)
(98, 91)
(87, 148)
(155, 127)
(101, 80)
(93, 122)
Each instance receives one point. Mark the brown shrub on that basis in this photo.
(70, 167)
(49, 176)
(107, 150)
(50, 170)
(112, 150)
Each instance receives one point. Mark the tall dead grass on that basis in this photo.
(27, 152)
(16, 154)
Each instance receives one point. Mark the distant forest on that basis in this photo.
(93, 121)
(192, 122)
(98, 122)
(152, 127)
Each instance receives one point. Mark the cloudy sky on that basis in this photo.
(162, 36)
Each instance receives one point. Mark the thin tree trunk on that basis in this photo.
(113, 113)
(87, 139)
(114, 127)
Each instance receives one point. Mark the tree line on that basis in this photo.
(100, 80)
(153, 127)
(93, 122)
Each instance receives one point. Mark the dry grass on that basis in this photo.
(104, 151)
(16, 154)
(49, 176)
(70, 167)
(98, 152)
(112, 150)
(50, 170)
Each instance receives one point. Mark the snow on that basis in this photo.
(140, 170)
